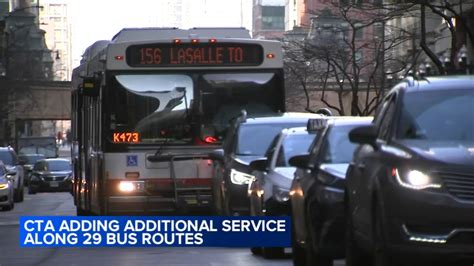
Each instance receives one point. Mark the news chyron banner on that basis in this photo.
(153, 231)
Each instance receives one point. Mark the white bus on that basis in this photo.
(148, 107)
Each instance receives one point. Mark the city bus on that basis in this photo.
(150, 105)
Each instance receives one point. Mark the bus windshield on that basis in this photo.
(175, 109)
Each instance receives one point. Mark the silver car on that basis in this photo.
(6, 189)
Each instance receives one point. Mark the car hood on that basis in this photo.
(461, 153)
(246, 159)
(336, 169)
(282, 176)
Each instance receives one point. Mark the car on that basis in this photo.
(30, 160)
(7, 201)
(410, 185)
(51, 175)
(317, 193)
(268, 191)
(14, 168)
(247, 139)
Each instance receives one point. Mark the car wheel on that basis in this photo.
(273, 252)
(354, 254)
(313, 257)
(17, 195)
(9, 207)
(299, 256)
(256, 250)
(381, 256)
(32, 190)
(82, 212)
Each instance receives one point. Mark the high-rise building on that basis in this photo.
(268, 19)
(54, 19)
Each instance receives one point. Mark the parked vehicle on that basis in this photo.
(317, 194)
(30, 160)
(268, 191)
(410, 186)
(7, 201)
(15, 170)
(38, 145)
(247, 139)
(51, 175)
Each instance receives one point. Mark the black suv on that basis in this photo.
(247, 140)
(317, 194)
(14, 169)
(410, 186)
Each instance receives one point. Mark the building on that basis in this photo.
(268, 19)
(54, 20)
(294, 14)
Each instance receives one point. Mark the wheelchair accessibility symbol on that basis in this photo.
(132, 160)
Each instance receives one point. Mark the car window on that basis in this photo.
(442, 115)
(293, 145)
(254, 139)
(7, 157)
(40, 166)
(58, 166)
(387, 121)
(2, 171)
(336, 147)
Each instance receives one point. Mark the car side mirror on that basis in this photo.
(217, 155)
(300, 161)
(259, 164)
(363, 135)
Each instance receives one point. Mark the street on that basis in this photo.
(61, 204)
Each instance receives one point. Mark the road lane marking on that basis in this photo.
(9, 223)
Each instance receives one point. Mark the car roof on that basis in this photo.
(439, 83)
(283, 118)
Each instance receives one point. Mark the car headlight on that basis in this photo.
(131, 186)
(240, 178)
(3, 186)
(281, 194)
(68, 177)
(416, 179)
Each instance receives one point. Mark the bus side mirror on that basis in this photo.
(91, 86)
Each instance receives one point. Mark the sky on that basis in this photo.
(94, 20)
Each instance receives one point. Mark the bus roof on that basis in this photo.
(147, 34)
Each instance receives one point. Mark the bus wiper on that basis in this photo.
(184, 91)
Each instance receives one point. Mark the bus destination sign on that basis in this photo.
(188, 55)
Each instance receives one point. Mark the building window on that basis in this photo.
(358, 31)
(273, 17)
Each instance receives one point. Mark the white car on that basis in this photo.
(6, 189)
(15, 170)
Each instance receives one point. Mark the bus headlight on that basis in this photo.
(240, 178)
(415, 179)
(131, 186)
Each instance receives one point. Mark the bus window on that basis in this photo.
(226, 94)
(151, 108)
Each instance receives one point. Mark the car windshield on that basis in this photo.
(31, 159)
(58, 166)
(294, 144)
(336, 147)
(254, 139)
(442, 115)
(6, 157)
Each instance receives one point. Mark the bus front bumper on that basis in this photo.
(152, 204)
